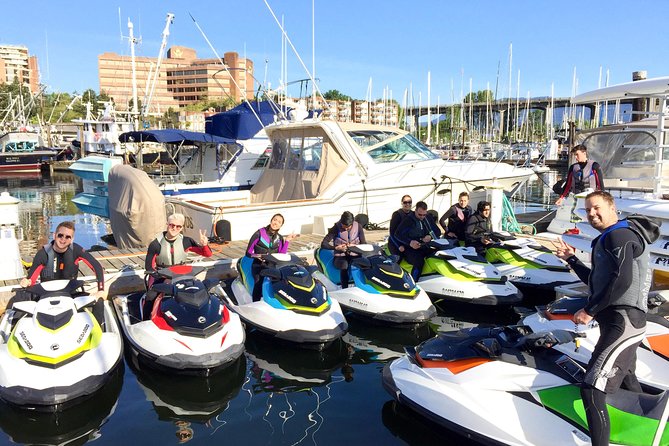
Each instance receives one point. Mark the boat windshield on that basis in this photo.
(385, 146)
(20, 146)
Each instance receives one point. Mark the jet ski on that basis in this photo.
(652, 365)
(185, 328)
(382, 290)
(74, 425)
(527, 264)
(458, 273)
(53, 350)
(508, 385)
(294, 307)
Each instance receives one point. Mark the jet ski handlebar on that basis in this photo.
(548, 339)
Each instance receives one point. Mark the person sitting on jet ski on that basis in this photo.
(454, 220)
(346, 232)
(618, 292)
(478, 226)
(266, 240)
(60, 260)
(393, 245)
(170, 247)
(414, 231)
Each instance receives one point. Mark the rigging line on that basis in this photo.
(197, 25)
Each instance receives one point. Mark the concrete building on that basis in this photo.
(183, 79)
(17, 64)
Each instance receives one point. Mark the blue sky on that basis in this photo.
(394, 42)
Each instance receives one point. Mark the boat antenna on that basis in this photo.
(283, 31)
(225, 67)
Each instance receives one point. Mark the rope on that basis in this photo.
(510, 222)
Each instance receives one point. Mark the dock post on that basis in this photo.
(494, 194)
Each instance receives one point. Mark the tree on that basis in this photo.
(480, 96)
(336, 95)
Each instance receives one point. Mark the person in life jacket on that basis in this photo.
(583, 174)
(60, 259)
(414, 231)
(170, 247)
(479, 227)
(266, 240)
(455, 218)
(393, 245)
(618, 282)
(346, 232)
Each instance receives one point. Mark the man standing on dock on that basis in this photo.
(618, 290)
(583, 174)
(60, 259)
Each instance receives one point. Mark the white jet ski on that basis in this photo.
(459, 274)
(185, 327)
(506, 385)
(652, 365)
(293, 307)
(381, 289)
(53, 350)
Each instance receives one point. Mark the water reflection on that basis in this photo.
(74, 426)
(196, 399)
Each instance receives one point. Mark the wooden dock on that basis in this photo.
(124, 268)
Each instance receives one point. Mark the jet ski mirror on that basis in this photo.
(362, 263)
(84, 301)
(165, 288)
(211, 282)
(395, 258)
(272, 273)
(27, 307)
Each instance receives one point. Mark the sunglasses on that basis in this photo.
(67, 237)
(172, 225)
(406, 202)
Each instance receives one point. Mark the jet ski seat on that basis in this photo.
(642, 404)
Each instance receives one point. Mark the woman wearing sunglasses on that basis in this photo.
(398, 216)
(171, 246)
(60, 259)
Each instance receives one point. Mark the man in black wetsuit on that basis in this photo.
(60, 259)
(583, 174)
(618, 282)
(413, 233)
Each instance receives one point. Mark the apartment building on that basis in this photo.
(17, 64)
(183, 79)
(363, 112)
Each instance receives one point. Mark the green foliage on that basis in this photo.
(480, 96)
(336, 95)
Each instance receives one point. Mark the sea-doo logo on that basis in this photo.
(406, 286)
(379, 281)
(202, 319)
(287, 296)
(298, 273)
(83, 333)
(314, 300)
(54, 347)
(26, 341)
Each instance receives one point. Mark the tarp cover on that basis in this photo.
(172, 136)
(136, 207)
(240, 122)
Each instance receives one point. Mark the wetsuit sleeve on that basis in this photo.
(401, 234)
(283, 245)
(582, 271)
(621, 246)
(81, 254)
(361, 235)
(394, 222)
(193, 246)
(151, 253)
(328, 240)
(253, 241)
(443, 221)
(567, 184)
(599, 176)
(473, 231)
(39, 263)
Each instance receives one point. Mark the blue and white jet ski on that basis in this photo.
(293, 307)
(185, 328)
(54, 351)
(459, 274)
(382, 290)
(652, 366)
(506, 385)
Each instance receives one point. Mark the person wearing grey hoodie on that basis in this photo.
(618, 282)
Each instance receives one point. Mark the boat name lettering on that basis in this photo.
(287, 296)
(26, 341)
(379, 281)
(188, 222)
(83, 333)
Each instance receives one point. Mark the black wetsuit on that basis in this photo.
(451, 221)
(395, 220)
(410, 229)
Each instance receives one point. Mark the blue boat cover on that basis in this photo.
(240, 122)
(172, 136)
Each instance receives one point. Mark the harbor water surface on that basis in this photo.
(274, 395)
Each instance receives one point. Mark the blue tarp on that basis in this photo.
(172, 136)
(240, 122)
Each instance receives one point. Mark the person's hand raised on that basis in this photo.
(563, 250)
(204, 240)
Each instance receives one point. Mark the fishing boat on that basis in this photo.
(319, 168)
(20, 151)
(631, 156)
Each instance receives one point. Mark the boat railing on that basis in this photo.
(195, 178)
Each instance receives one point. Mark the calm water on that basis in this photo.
(272, 396)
